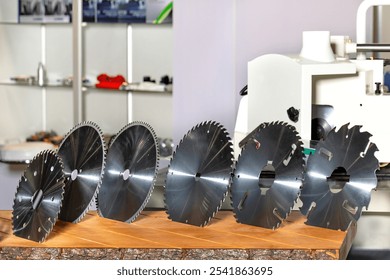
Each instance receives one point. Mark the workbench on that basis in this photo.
(153, 236)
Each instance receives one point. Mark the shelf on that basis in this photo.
(136, 87)
(69, 53)
(85, 87)
(27, 84)
(153, 236)
(35, 23)
(85, 23)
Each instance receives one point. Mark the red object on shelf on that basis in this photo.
(106, 81)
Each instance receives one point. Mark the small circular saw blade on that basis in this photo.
(130, 173)
(83, 154)
(339, 178)
(199, 174)
(268, 176)
(38, 197)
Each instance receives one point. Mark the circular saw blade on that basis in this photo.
(130, 173)
(268, 176)
(38, 197)
(83, 154)
(199, 174)
(339, 178)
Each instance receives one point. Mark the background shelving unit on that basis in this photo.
(132, 50)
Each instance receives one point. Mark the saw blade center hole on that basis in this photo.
(126, 174)
(197, 176)
(74, 174)
(338, 179)
(267, 178)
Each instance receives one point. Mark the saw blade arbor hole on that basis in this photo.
(197, 176)
(266, 178)
(126, 174)
(74, 174)
(338, 179)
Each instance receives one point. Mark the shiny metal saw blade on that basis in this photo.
(130, 173)
(83, 154)
(38, 197)
(199, 174)
(339, 178)
(268, 176)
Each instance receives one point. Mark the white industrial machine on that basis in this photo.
(330, 83)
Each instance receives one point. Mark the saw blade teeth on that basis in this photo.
(334, 130)
(345, 126)
(95, 196)
(358, 127)
(151, 130)
(366, 135)
(373, 148)
(292, 127)
(344, 129)
(262, 125)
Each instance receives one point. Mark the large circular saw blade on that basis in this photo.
(268, 176)
(38, 197)
(83, 154)
(199, 174)
(130, 173)
(339, 178)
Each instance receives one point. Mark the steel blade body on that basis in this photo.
(130, 172)
(332, 203)
(268, 176)
(38, 198)
(83, 154)
(199, 175)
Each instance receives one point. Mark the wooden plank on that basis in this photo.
(291, 235)
(159, 237)
(153, 230)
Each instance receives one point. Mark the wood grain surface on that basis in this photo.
(153, 230)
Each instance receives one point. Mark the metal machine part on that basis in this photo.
(83, 154)
(324, 73)
(322, 121)
(130, 173)
(165, 146)
(268, 176)
(38, 197)
(339, 178)
(199, 174)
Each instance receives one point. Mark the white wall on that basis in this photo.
(9, 179)
(204, 64)
(385, 30)
(9, 11)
